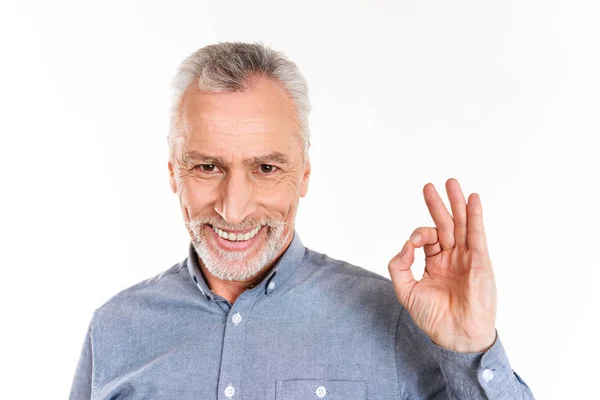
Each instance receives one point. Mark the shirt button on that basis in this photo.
(229, 391)
(272, 285)
(487, 375)
(237, 318)
(321, 391)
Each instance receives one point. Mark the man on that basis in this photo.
(253, 314)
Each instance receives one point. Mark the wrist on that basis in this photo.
(469, 345)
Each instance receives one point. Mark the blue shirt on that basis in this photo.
(314, 328)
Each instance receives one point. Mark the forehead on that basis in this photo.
(262, 115)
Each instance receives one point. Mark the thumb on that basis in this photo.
(402, 276)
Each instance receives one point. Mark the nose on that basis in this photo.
(235, 201)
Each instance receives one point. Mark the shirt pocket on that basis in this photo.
(309, 389)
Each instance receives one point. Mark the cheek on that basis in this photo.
(195, 197)
(279, 197)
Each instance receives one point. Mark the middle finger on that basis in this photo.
(442, 218)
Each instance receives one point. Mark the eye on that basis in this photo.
(267, 169)
(208, 168)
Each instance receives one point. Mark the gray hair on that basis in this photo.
(228, 67)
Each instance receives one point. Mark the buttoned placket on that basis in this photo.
(234, 339)
(237, 317)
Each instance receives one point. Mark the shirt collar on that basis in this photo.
(284, 268)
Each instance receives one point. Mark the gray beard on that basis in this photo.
(236, 265)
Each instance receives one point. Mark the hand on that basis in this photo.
(455, 301)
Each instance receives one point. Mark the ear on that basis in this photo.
(305, 178)
(172, 180)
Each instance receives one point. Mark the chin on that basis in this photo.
(235, 265)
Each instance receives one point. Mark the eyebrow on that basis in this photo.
(191, 157)
(274, 157)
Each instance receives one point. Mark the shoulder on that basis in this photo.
(158, 288)
(343, 268)
(343, 276)
(348, 294)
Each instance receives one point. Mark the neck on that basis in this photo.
(231, 290)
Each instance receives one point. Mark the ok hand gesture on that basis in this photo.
(455, 301)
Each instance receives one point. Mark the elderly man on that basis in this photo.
(253, 314)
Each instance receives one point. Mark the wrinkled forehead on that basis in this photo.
(262, 114)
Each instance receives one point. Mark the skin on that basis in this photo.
(455, 301)
(243, 134)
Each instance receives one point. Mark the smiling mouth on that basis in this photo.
(236, 237)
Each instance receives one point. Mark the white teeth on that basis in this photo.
(237, 237)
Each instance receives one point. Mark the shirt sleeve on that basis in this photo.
(82, 383)
(441, 374)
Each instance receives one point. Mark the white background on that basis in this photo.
(502, 95)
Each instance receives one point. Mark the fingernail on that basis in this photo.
(415, 238)
(404, 249)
